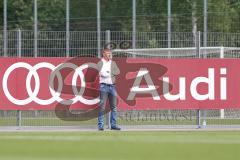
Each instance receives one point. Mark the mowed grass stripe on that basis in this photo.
(120, 145)
(234, 139)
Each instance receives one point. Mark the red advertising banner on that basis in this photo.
(154, 83)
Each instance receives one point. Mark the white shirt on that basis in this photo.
(105, 72)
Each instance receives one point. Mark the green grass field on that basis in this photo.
(109, 145)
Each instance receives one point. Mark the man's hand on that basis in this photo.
(105, 74)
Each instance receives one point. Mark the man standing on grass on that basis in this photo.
(108, 70)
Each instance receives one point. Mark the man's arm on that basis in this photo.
(114, 69)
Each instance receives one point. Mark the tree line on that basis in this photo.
(116, 15)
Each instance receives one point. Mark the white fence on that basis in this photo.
(82, 43)
(153, 44)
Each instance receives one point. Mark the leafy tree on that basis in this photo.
(187, 15)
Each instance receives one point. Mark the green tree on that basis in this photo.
(187, 15)
(51, 14)
(20, 14)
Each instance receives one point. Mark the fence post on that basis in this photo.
(5, 33)
(169, 32)
(205, 13)
(198, 118)
(67, 28)
(205, 20)
(19, 118)
(133, 24)
(108, 40)
(98, 29)
(19, 54)
(169, 28)
(222, 56)
(198, 45)
(19, 43)
(35, 29)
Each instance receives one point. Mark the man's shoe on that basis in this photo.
(100, 129)
(115, 128)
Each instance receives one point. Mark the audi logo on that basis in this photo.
(55, 72)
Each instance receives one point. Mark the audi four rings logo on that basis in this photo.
(78, 72)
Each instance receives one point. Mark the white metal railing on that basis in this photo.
(148, 44)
